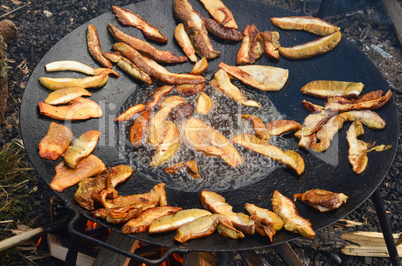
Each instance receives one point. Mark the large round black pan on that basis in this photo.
(330, 170)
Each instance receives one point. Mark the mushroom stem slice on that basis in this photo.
(62, 83)
(310, 24)
(184, 41)
(94, 47)
(70, 65)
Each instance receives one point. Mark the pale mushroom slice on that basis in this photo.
(281, 126)
(204, 104)
(174, 221)
(169, 145)
(332, 88)
(63, 96)
(156, 126)
(358, 149)
(155, 70)
(220, 13)
(211, 142)
(78, 109)
(71, 65)
(221, 82)
(265, 78)
(289, 158)
(259, 127)
(216, 203)
(322, 200)
(184, 41)
(130, 18)
(62, 83)
(286, 209)
(81, 148)
(56, 141)
(313, 48)
(310, 24)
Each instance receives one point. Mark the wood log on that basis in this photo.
(8, 32)
(394, 13)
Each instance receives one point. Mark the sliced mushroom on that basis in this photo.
(332, 88)
(70, 65)
(204, 104)
(62, 83)
(169, 145)
(278, 127)
(310, 24)
(139, 127)
(130, 113)
(220, 13)
(94, 47)
(184, 41)
(322, 200)
(222, 32)
(259, 127)
(81, 148)
(66, 95)
(56, 141)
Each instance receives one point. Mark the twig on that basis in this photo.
(12, 11)
(6, 221)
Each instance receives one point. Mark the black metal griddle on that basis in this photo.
(330, 170)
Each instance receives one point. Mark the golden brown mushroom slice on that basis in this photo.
(286, 209)
(202, 226)
(215, 203)
(157, 196)
(155, 70)
(222, 32)
(265, 78)
(190, 166)
(310, 24)
(204, 104)
(266, 222)
(130, 112)
(134, 71)
(144, 47)
(281, 126)
(184, 41)
(78, 109)
(313, 108)
(221, 82)
(368, 118)
(322, 200)
(117, 215)
(195, 28)
(289, 158)
(56, 141)
(158, 94)
(112, 57)
(220, 13)
(94, 47)
(169, 145)
(81, 148)
(270, 43)
(156, 126)
(66, 177)
(71, 65)
(211, 142)
(174, 221)
(90, 186)
(358, 149)
(250, 49)
(189, 89)
(332, 88)
(145, 219)
(62, 83)
(259, 127)
(200, 66)
(359, 104)
(313, 48)
(63, 96)
(139, 127)
(130, 18)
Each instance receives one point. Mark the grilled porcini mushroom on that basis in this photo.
(56, 141)
(310, 24)
(81, 148)
(322, 200)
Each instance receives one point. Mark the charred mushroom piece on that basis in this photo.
(332, 88)
(144, 47)
(66, 95)
(70, 65)
(270, 43)
(220, 13)
(223, 32)
(129, 18)
(81, 148)
(184, 41)
(211, 142)
(195, 28)
(62, 83)
(310, 24)
(56, 141)
(174, 221)
(313, 48)
(78, 109)
(250, 49)
(66, 177)
(286, 209)
(321, 200)
(221, 82)
(204, 104)
(94, 47)
(139, 127)
(145, 219)
(183, 111)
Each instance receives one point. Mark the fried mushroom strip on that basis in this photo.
(117, 215)
(174, 221)
(220, 13)
(259, 127)
(266, 222)
(281, 126)
(81, 148)
(66, 95)
(190, 166)
(250, 49)
(130, 18)
(322, 200)
(310, 24)
(195, 28)
(184, 41)
(139, 127)
(94, 47)
(359, 104)
(332, 88)
(216, 203)
(134, 71)
(56, 141)
(62, 83)
(222, 32)
(286, 209)
(169, 145)
(70, 65)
